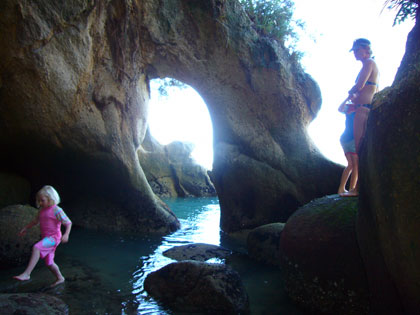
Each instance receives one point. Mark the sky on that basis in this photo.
(330, 28)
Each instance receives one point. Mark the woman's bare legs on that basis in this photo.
(26, 275)
(359, 129)
(56, 271)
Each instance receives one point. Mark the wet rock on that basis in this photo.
(322, 265)
(263, 243)
(192, 286)
(171, 171)
(197, 252)
(15, 250)
(32, 304)
(85, 291)
(14, 190)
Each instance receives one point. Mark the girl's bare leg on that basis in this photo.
(355, 174)
(346, 174)
(359, 125)
(26, 275)
(56, 271)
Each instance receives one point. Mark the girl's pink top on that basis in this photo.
(50, 219)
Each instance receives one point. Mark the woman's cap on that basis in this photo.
(360, 42)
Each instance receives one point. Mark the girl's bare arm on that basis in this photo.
(29, 225)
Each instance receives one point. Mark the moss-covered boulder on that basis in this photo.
(263, 243)
(197, 251)
(322, 265)
(16, 250)
(198, 287)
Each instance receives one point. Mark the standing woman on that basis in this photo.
(361, 94)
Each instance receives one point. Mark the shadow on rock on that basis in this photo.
(321, 260)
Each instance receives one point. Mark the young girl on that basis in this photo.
(348, 144)
(50, 218)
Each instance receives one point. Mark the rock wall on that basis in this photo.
(172, 172)
(388, 224)
(73, 109)
(74, 99)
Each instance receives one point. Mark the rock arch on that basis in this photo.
(260, 102)
(74, 92)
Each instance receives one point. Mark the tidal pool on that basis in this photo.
(105, 272)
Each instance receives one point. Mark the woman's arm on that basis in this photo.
(363, 76)
(347, 106)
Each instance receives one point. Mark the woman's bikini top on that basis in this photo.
(371, 83)
(367, 82)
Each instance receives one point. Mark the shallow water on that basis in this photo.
(105, 273)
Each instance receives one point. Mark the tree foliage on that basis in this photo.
(406, 9)
(166, 83)
(273, 18)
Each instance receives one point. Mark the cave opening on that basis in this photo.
(178, 113)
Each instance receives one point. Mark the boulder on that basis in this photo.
(197, 251)
(263, 243)
(388, 224)
(32, 304)
(14, 190)
(15, 250)
(322, 266)
(172, 172)
(199, 287)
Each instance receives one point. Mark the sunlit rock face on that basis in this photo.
(260, 102)
(172, 172)
(73, 109)
(74, 92)
(389, 223)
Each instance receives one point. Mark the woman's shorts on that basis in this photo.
(349, 147)
(47, 247)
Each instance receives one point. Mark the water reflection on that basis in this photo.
(199, 218)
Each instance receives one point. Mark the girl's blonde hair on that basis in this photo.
(50, 193)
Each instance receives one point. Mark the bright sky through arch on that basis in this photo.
(331, 27)
(182, 116)
(335, 24)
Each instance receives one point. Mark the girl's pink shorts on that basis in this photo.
(47, 247)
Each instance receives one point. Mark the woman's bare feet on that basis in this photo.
(59, 281)
(351, 193)
(22, 277)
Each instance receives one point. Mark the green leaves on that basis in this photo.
(166, 83)
(273, 18)
(406, 9)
